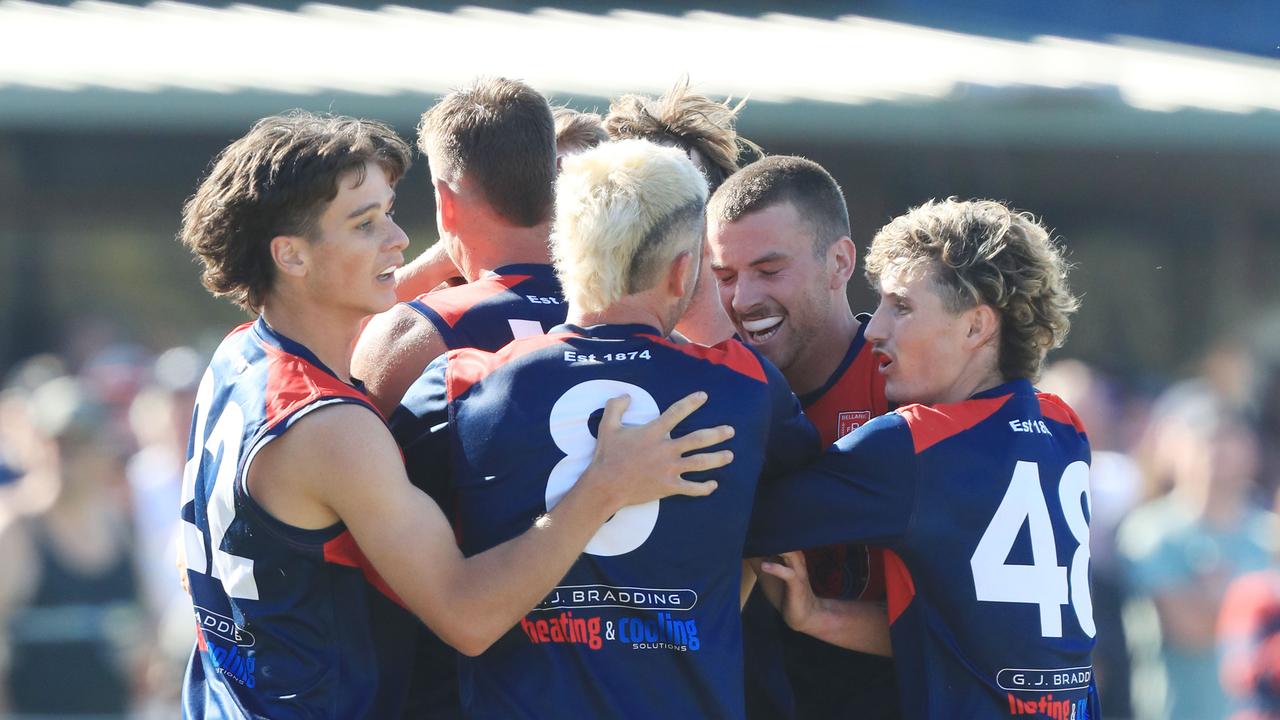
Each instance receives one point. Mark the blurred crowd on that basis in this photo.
(1186, 587)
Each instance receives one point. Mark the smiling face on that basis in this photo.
(925, 348)
(357, 245)
(775, 290)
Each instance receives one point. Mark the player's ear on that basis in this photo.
(842, 258)
(289, 252)
(984, 326)
(446, 207)
(682, 274)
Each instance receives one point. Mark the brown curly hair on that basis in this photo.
(276, 180)
(983, 252)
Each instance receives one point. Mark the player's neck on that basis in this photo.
(328, 335)
(624, 312)
(825, 353)
(488, 243)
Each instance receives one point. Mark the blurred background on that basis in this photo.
(1146, 133)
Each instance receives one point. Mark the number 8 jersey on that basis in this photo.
(646, 622)
(986, 501)
(282, 612)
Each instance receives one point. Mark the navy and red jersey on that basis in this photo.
(986, 502)
(825, 681)
(281, 612)
(514, 301)
(646, 622)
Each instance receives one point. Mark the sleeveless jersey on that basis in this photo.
(282, 613)
(792, 673)
(514, 301)
(986, 502)
(646, 622)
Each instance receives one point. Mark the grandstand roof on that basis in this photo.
(169, 64)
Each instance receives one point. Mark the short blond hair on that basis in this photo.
(624, 210)
(981, 252)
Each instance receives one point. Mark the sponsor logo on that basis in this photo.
(223, 627)
(655, 633)
(1048, 706)
(563, 628)
(850, 420)
(1044, 680)
(595, 596)
(234, 660)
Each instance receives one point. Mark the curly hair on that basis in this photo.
(981, 252)
(276, 180)
(703, 128)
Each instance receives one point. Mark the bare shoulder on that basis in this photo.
(295, 476)
(394, 349)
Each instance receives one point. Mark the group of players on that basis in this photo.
(640, 368)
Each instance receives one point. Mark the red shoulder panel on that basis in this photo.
(343, 550)
(730, 353)
(468, 366)
(452, 303)
(294, 383)
(1056, 409)
(931, 425)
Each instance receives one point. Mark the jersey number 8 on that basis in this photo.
(632, 525)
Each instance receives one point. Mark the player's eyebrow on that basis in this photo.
(371, 206)
(768, 258)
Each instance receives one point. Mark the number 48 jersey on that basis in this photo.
(987, 503)
(646, 622)
(282, 612)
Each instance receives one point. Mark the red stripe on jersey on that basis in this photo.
(452, 303)
(343, 550)
(931, 425)
(1056, 409)
(468, 366)
(293, 383)
(900, 589)
(730, 353)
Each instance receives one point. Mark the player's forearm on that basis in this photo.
(424, 273)
(854, 625)
(501, 585)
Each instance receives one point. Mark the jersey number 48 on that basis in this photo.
(1044, 582)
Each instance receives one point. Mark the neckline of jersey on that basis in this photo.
(609, 331)
(538, 269)
(1017, 386)
(270, 335)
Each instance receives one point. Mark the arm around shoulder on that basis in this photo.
(391, 353)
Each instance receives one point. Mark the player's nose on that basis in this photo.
(877, 330)
(397, 240)
(745, 295)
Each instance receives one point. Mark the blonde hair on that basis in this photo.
(981, 252)
(624, 210)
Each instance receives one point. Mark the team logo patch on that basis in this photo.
(850, 420)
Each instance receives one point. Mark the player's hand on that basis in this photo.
(796, 600)
(643, 463)
(428, 271)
